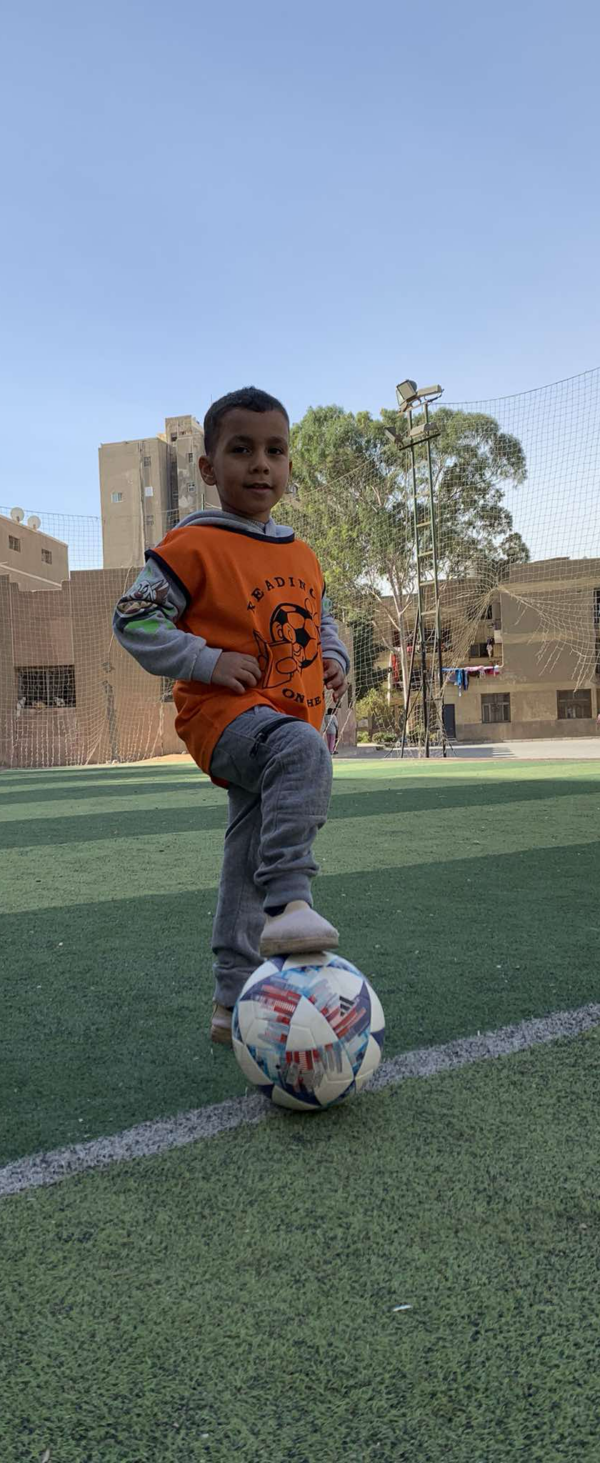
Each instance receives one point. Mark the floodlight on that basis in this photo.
(409, 395)
(407, 390)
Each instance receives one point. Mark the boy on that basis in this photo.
(229, 604)
(331, 730)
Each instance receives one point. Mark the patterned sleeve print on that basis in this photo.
(145, 624)
(150, 604)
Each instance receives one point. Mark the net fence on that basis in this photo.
(507, 642)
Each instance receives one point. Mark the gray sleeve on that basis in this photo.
(333, 647)
(145, 624)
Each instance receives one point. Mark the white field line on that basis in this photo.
(148, 1139)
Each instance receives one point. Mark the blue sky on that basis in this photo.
(315, 198)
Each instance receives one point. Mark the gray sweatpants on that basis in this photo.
(279, 774)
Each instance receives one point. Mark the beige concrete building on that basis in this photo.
(31, 559)
(544, 621)
(68, 694)
(147, 486)
(549, 657)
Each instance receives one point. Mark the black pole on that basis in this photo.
(410, 676)
(111, 720)
(434, 558)
(419, 592)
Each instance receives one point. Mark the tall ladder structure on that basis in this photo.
(428, 629)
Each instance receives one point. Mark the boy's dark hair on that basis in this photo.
(249, 398)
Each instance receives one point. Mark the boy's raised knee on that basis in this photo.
(302, 734)
(309, 748)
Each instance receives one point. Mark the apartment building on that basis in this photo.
(527, 665)
(30, 558)
(146, 486)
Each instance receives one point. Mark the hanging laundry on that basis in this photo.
(459, 675)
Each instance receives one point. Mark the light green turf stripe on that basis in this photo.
(164, 781)
(203, 795)
(117, 802)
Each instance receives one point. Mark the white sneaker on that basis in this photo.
(220, 1026)
(298, 931)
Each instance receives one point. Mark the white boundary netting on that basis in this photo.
(517, 506)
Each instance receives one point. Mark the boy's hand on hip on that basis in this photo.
(236, 672)
(335, 679)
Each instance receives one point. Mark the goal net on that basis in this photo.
(507, 641)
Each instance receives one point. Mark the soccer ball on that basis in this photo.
(308, 1035)
(293, 626)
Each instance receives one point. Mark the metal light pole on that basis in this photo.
(412, 398)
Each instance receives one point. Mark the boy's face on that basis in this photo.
(250, 464)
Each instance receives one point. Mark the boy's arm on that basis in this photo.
(145, 624)
(333, 647)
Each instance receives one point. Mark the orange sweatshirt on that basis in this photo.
(220, 583)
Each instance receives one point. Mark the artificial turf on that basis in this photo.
(466, 892)
(237, 1299)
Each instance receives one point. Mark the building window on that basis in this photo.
(45, 685)
(190, 457)
(597, 628)
(574, 705)
(166, 688)
(148, 492)
(480, 651)
(47, 556)
(475, 612)
(147, 462)
(14, 543)
(495, 708)
(149, 520)
(173, 436)
(116, 497)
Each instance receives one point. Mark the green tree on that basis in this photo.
(354, 504)
(373, 706)
(366, 673)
